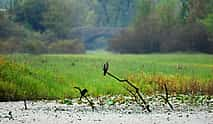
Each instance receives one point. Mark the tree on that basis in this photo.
(61, 17)
(164, 26)
(143, 10)
(168, 12)
(116, 13)
(30, 13)
(208, 22)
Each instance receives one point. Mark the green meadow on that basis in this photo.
(53, 76)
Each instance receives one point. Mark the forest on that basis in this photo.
(149, 26)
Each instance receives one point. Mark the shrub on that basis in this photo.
(35, 47)
(190, 37)
(7, 91)
(2, 61)
(9, 46)
(66, 46)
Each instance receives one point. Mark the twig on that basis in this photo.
(134, 95)
(90, 102)
(25, 104)
(166, 98)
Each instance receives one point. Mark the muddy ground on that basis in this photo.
(53, 112)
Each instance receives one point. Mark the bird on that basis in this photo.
(82, 92)
(10, 115)
(105, 68)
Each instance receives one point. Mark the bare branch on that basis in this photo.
(130, 84)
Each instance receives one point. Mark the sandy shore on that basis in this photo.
(52, 112)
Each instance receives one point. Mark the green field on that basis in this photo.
(54, 76)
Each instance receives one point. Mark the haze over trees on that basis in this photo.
(41, 26)
(168, 26)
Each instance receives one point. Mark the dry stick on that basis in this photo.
(25, 101)
(25, 104)
(133, 86)
(90, 102)
(167, 97)
(134, 95)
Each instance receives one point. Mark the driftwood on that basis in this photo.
(137, 91)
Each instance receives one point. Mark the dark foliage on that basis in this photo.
(152, 37)
(66, 46)
(31, 14)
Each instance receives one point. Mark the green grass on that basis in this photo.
(51, 76)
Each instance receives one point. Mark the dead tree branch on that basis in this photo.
(106, 72)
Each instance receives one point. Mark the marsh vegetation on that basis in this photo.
(54, 76)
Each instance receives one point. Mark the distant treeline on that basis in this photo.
(40, 26)
(169, 26)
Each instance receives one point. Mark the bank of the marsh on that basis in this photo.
(127, 112)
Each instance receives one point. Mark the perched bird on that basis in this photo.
(105, 68)
(10, 115)
(82, 92)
